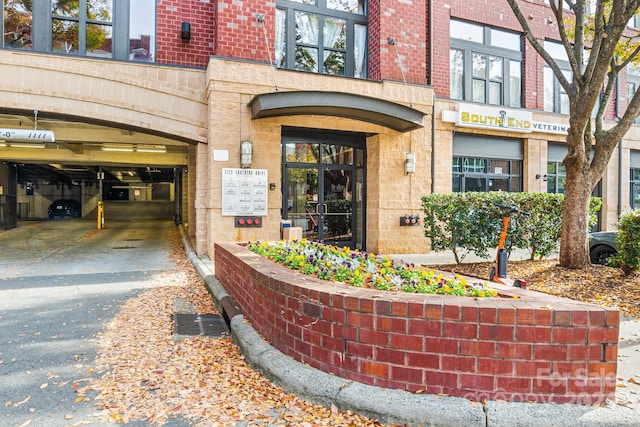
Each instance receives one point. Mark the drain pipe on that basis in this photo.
(433, 144)
(617, 113)
(433, 107)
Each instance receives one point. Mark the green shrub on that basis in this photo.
(628, 256)
(471, 222)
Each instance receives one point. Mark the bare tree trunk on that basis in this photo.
(574, 245)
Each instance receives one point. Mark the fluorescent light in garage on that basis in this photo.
(22, 145)
(151, 149)
(117, 148)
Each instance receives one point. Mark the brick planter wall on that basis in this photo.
(533, 348)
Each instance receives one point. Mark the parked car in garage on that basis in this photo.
(64, 208)
(602, 244)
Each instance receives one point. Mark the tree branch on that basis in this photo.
(537, 46)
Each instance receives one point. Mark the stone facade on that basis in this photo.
(197, 94)
(390, 192)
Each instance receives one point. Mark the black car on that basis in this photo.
(64, 208)
(602, 245)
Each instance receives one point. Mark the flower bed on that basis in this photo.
(533, 348)
(363, 269)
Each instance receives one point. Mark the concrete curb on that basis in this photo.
(396, 406)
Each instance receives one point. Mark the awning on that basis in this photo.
(337, 104)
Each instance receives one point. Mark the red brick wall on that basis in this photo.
(169, 17)
(406, 22)
(240, 35)
(231, 29)
(499, 348)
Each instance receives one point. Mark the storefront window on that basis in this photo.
(485, 64)
(321, 39)
(482, 174)
(556, 178)
(635, 188)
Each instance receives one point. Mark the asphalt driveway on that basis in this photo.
(60, 281)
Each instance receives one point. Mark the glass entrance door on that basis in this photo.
(323, 190)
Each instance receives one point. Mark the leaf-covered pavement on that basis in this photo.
(597, 284)
(147, 375)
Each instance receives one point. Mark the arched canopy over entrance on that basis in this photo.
(373, 110)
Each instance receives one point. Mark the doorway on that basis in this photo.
(324, 185)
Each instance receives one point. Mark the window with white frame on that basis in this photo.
(322, 36)
(485, 64)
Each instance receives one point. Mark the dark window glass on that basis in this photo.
(481, 174)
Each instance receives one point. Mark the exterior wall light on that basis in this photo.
(410, 163)
(185, 32)
(246, 154)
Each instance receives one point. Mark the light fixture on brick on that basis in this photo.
(185, 32)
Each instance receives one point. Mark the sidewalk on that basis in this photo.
(447, 257)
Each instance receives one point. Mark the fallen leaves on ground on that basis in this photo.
(597, 284)
(206, 381)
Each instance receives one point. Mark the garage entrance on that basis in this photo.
(85, 164)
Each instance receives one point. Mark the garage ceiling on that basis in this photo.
(82, 149)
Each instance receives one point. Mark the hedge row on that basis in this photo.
(471, 222)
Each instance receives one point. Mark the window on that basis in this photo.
(556, 99)
(633, 83)
(16, 26)
(565, 6)
(322, 36)
(484, 174)
(485, 64)
(142, 29)
(82, 27)
(556, 178)
(635, 188)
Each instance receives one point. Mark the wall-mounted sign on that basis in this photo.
(27, 135)
(244, 192)
(481, 116)
(501, 119)
(550, 128)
